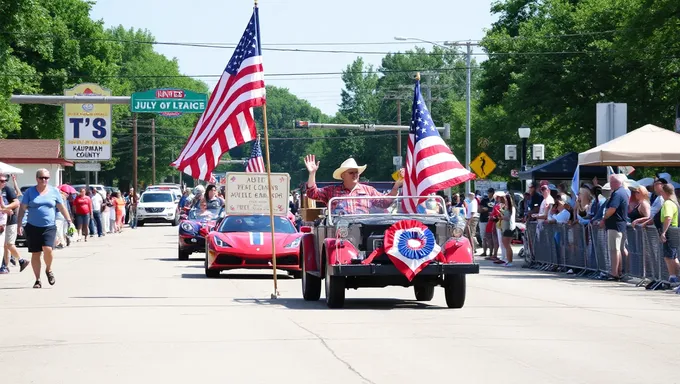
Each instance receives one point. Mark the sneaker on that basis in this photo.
(509, 265)
(23, 263)
(4, 270)
(13, 260)
(673, 279)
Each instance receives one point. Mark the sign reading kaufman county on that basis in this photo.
(248, 193)
(168, 102)
(87, 127)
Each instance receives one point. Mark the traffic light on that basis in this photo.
(301, 124)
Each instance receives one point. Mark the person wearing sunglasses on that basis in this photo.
(41, 202)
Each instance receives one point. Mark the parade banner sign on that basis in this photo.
(87, 127)
(247, 193)
(168, 102)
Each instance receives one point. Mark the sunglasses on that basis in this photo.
(3, 180)
(44, 178)
(353, 172)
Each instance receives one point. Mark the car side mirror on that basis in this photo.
(306, 229)
(218, 222)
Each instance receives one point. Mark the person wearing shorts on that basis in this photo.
(615, 215)
(11, 203)
(41, 202)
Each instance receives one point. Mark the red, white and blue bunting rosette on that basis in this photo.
(411, 246)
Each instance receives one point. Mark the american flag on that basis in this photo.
(255, 163)
(213, 179)
(430, 164)
(227, 121)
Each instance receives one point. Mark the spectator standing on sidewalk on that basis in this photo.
(615, 220)
(485, 207)
(134, 200)
(40, 202)
(669, 219)
(119, 208)
(97, 203)
(83, 211)
(11, 202)
(472, 216)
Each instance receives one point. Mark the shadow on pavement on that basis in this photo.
(176, 259)
(237, 276)
(119, 297)
(358, 304)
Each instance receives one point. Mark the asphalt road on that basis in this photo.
(124, 310)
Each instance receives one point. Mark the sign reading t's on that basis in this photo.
(87, 132)
(98, 126)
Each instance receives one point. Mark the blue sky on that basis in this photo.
(297, 23)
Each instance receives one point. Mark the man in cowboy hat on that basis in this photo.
(349, 172)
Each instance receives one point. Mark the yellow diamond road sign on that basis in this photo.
(482, 165)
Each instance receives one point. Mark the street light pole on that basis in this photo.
(468, 145)
(524, 132)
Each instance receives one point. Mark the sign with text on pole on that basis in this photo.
(482, 165)
(168, 102)
(88, 167)
(87, 127)
(247, 193)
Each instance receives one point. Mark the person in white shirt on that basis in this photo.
(508, 227)
(472, 216)
(545, 207)
(563, 215)
(97, 202)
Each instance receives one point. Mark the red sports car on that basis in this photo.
(244, 241)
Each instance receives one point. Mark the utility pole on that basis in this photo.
(468, 146)
(153, 151)
(134, 152)
(398, 123)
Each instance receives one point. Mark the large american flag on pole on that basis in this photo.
(227, 121)
(430, 164)
(255, 162)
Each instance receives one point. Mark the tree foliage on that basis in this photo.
(552, 61)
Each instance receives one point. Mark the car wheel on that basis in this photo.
(175, 221)
(140, 223)
(335, 290)
(311, 285)
(181, 255)
(210, 273)
(454, 290)
(424, 292)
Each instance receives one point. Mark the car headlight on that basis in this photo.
(457, 232)
(342, 229)
(187, 227)
(220, 243)
(294, 244)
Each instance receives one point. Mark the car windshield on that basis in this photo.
(157, 198)
(202, 215)
(387, 205)
(255, 223)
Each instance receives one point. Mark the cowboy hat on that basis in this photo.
(348, 164)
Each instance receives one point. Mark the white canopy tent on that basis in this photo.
(647, 146)
(8, 169)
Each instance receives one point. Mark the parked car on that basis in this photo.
(157, 206)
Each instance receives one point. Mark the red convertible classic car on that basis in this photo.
(373, 242)
(244, 241)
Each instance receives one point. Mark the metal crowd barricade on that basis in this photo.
(584, 249)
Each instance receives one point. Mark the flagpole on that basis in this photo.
(275, 294)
